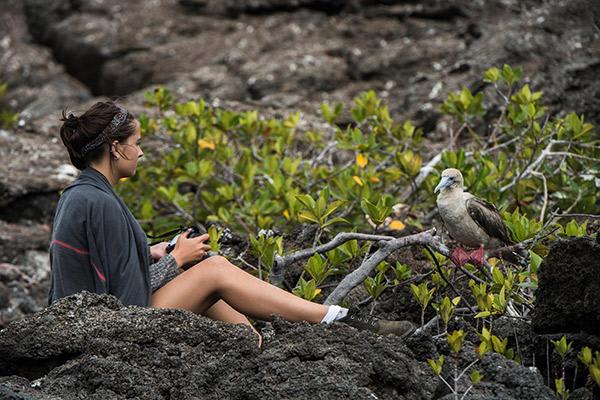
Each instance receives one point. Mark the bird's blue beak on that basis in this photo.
(444, 183)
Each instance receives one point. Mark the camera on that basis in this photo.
(195, 231)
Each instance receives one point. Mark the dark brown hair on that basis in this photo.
(77, 132)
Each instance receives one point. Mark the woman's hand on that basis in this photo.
(159, 250)
(190, 250)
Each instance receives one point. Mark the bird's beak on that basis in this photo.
(444, 183)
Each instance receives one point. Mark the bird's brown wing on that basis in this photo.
(486, 215)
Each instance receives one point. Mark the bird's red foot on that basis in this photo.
(477, 257)
(460, 257)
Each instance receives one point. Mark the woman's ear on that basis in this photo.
(113, 150)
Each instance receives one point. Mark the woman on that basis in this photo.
(98, 246)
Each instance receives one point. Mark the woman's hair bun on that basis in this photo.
(71, 121)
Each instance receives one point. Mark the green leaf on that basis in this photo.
(475, 377)
(535, 261)
(333, 207)
(491, 75)
(307, 201)
(455, 340)
(308, 216)
(436, 366)
(585, 355)
(336, 220)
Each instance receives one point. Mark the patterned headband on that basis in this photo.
(107, 133)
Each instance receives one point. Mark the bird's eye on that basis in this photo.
(450, 178)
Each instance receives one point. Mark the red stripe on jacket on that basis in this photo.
(100, 275)
(79, 251)
(68, 246)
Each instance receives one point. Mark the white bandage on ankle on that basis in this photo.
(333, 314)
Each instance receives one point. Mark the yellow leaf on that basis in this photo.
(374, 179)
(397, 225)
(286, 214)
(206, 144)
(361, 160)
(358, 180)
(317, 291)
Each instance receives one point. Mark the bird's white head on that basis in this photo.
(451, 178)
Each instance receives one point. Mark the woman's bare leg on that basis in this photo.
(222, 311)
(215, 278)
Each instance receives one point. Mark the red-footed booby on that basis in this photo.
(471, 221)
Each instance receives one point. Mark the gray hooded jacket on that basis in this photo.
(97, 244)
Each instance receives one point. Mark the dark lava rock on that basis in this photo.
(295, 51)
(15, 240)
(236, 7)
(510, 381)
(568, 296)
(24, 288)
(91, 346)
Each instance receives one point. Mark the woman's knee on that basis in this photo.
(214, 268)
(216, 260)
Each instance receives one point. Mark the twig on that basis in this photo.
(497, 147)
(506, 99)
(572, 206)
(434, 321)
(540, 236)
(470, 275)
(465, 393)
(454, 136)
(532, 167)
(585, 145)
(354, 278)
(365, 301)
(569, 154)
(182, 212)
(543, 212)
(383, 163)
(467, 368)
(426, 327)
(439, 269)
(322, 154)
(281, 262)
(414, 279)
(246, 263)
(333, 175)
(575, 215)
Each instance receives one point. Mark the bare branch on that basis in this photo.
(281, 262)
(575, 215)
(434, 321)
(322, 154)
(532, 167)
(543, 212)
(441, 273)
(569, 154)
(354, 278)
(426, 327)
(182, 212)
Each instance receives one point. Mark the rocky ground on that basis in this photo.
(90, 346)
(277, 56)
